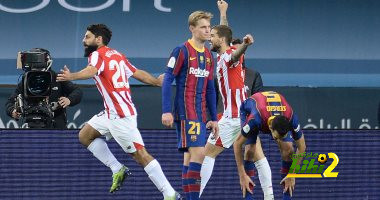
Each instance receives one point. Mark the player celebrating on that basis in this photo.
(269, 112)
(230, 75)
(111, 70)
(191, 65)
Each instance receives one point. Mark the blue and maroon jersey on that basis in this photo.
(259, 109)
(192, 70)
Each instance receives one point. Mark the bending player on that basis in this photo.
(111, 70)
(230, 77)
(269, 113)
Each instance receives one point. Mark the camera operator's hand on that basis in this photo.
(64, 102)
(15, 114)
(65, 75)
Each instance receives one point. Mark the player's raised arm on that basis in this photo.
(247, 40)
(147, 78)
(85, 73)
(223, 6)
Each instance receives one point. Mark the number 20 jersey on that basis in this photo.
(114, 69)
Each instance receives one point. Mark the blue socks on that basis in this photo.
(185, 185)
(194, 180)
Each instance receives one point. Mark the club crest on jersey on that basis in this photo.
(199, 72)
(201, 59)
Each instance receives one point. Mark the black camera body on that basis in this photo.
(34, 59)
(37, 81)
(38, 115)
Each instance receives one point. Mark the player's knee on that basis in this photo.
(196, 154)
(83, 138)
(87, 134)
(212, 150)
(142, 157)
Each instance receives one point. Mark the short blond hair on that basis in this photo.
(198, 15)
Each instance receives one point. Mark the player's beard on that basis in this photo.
(88, 49)
(215, 48)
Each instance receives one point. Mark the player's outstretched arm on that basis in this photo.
(147, 78)
(85, 73)
(223, 6)
(247, 40)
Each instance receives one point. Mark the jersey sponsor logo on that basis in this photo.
(276, 108)
(171, 62)
(199, 72)
(192, 58)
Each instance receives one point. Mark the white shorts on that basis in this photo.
(229, 128)
(123, 130)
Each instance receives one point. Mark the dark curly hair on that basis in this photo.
(101, 30)
(281, 125)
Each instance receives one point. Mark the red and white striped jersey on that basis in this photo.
(231, 83)
(114, 70)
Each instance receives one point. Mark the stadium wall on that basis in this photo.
(317, 108)
(51, 164)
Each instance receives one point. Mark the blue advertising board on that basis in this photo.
(313, 43)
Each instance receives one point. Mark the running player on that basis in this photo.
(191, 65)
(111, 70)
(230, 77)
(269, 113)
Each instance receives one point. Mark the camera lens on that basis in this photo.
(38, 83)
